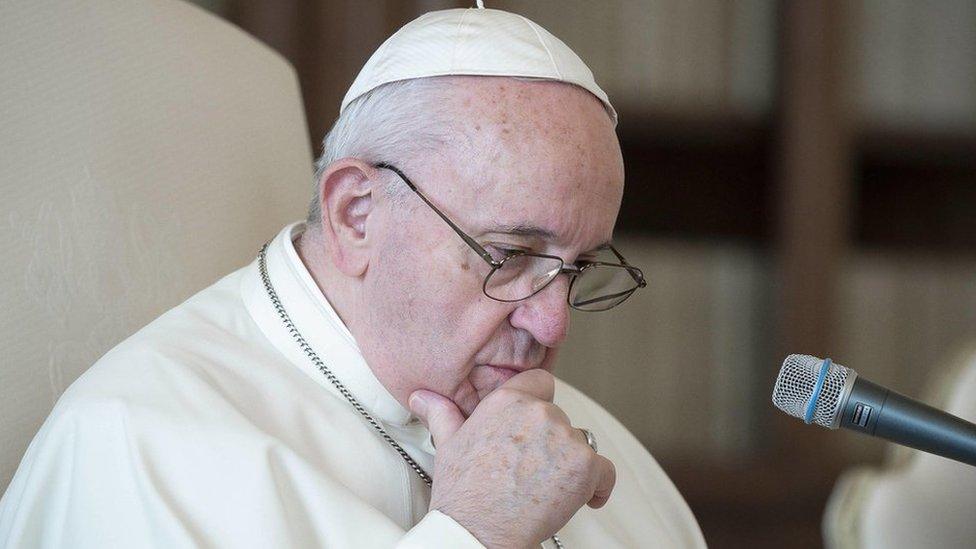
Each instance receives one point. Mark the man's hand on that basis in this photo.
(515, 471)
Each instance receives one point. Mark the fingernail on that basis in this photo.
(418, 404)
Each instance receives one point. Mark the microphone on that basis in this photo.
(830, 395)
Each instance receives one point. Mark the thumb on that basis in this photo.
(441, 416)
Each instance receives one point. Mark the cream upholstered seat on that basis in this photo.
(147, 149)
(917, 499)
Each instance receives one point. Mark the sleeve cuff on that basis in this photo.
(438, 530)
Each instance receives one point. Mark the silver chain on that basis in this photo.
(314, 357)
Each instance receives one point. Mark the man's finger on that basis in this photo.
(536, 382)
(607, 478)
(441, 416)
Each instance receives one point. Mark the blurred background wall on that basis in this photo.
(801, 177)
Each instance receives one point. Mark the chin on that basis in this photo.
(468, 401)
(484, 379)
(481, 381)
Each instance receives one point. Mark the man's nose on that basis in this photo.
(546, 314)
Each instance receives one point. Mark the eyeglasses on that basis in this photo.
(518, 275)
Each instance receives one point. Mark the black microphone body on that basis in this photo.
(876, 411)
(822, 392)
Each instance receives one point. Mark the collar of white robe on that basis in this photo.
(320, 364)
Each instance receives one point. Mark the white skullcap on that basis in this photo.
(473, 41)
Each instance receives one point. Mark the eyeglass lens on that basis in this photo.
(600, 287)
(597, 287)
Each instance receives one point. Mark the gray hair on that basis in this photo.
(396, 122)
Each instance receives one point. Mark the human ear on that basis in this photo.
(346, 195)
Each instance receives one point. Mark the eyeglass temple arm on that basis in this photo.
(604, 297)
(467, 239)
(638, 277)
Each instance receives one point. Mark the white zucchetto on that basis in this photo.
(473, 41)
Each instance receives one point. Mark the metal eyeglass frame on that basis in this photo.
(573, 270)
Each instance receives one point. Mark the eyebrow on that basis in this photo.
(525, 229)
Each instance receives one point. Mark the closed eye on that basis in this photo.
(499, 253)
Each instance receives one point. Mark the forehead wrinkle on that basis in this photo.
(531, 230)
(537, 141)
(523, 229)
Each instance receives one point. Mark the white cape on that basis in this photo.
(211, 428)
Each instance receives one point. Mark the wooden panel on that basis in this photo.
(697, 178)
(917, 192)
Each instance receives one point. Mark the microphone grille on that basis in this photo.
(797, 381)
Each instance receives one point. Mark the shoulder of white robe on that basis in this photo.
(644, 498)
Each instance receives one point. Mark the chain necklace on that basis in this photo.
(314, 357)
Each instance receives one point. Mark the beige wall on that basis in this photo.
(685, 362)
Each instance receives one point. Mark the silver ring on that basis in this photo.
(590, 438)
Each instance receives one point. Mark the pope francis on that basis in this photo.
(381, 374)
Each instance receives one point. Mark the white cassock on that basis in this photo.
(211, 428)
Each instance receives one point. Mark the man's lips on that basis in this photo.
(504, 372)
(513, 367)
(485, 378)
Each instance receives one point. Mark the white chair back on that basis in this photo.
(147, 148)
(917, 499)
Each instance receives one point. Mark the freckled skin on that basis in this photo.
(527, 151)
(541, 152)
(410, 291)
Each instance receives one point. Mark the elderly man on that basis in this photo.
(381, 375)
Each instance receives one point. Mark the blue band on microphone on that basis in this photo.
(812, 405)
